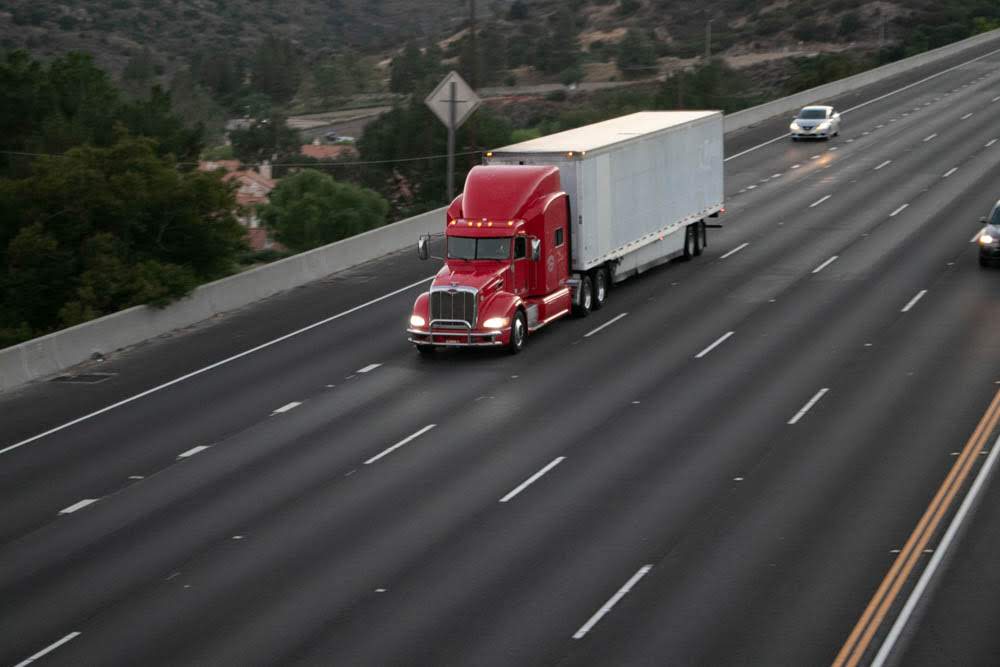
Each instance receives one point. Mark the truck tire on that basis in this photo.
(699, 237)
(518, 333)
(689, 241)
(600, 288)
(582, 309)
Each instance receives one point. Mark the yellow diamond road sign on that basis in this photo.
(461, 94)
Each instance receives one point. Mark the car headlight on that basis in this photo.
(417, 321)
(825, 125)
(495, 323)
(986, 239)
(794, 127)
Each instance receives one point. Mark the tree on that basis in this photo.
(636, 54)
(276, 69)
(310, 209)
(265, 139)
(406, 70)
(105, 228)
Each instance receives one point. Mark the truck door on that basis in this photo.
(521, 264)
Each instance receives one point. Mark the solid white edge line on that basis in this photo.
(949, 172)
(48, 649)
(735, 250)
(805, 408)
(819, 201)
(217, 364)
(825, 264)
(287, 407)
(368, 368)
(399, 444)
(912, 302)
(534, 478)
(606, 324)
(78, 506)
(714, 345)
(898, 211)
(872, 101)
(886, 163)
(622, 592)
(939, 554)
(191, 452)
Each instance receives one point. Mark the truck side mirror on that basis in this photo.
(536, 249)
(422, 251)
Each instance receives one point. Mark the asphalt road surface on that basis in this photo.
(757, 460)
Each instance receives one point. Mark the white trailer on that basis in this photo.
(640, 186)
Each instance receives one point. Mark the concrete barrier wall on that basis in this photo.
(761, 112)
(53, 353)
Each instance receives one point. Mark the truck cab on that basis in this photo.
(506, 266)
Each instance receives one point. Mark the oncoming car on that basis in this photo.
(989, 238)
(816, 122)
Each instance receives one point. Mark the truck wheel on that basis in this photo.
(582, 309)
(518, 333)
(425, 350)
(600, 288)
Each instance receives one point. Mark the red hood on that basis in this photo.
(477, 274)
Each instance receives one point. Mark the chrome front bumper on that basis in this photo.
(453, 336)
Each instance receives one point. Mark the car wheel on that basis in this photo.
(983, 262)
(518, 333)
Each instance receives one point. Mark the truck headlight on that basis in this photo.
(495, 323)
(986, 239)
(417, 321)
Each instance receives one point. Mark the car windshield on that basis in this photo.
(812, 114)
(995, 217)
(464, 247)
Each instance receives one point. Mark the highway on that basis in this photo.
(750, 458)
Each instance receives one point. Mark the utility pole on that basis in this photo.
(474, 73)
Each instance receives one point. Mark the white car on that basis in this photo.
(817, 122)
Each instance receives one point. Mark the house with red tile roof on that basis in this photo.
(253, 189)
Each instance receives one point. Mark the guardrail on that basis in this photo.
(58, 351)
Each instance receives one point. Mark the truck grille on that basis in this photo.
(453, 305)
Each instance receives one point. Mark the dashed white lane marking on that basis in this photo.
(735, 250)
(912, 302)
(775, 175)
(48, 649)
(751, 187)
(825, 264)
(714, 345)
(995, 99)
(898, 211)
(949, 172)
(990, 143)
(930, 137)
(935, 562)
(796, 166)
(819, 201)
(286, 408)
(968, 115)
(606, 324)
(805, 408)
(368, 368)
(78, 506)
(534, 478)
(399, 444)
(622, 592)
(217, 364)
(886, 163)
(835, 148)
(191, 452)
(813, 157)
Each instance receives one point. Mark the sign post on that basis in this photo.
(453, 101)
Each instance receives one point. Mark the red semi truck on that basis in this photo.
(546, 226)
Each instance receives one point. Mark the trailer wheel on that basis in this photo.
(425, 350)
(699, 237)
(518, 333)
(582, 309)
(600, 288)
(703, 228)
(689, 242)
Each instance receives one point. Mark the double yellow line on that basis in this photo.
(860, 638)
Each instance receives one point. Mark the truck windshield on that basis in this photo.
(464, 247)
